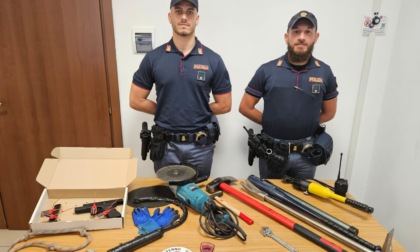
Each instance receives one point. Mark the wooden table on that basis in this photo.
(190, 236)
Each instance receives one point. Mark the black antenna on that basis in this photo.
(339, 167)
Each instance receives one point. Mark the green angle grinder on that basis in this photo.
(182, 181)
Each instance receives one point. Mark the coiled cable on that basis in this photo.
(218, 222)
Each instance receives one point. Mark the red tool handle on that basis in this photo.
(245, 218)
(308, 234)
(261, 207)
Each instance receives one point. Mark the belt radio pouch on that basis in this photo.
(213, 130)
(157, 143)
(322, 149)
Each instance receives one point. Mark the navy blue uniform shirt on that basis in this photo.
(292, 99)
(183, 84)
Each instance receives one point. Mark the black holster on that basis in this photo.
(254, 143)
(157, 143)
(213, 130)
(263, 147)
(145, 136)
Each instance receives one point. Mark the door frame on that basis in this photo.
(3, 224)
(112, 74)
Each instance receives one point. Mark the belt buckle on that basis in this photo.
(183, 137)
(293, 147)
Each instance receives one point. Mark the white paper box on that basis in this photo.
(76, 176)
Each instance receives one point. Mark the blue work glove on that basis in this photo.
(168, 216)
(143, 221)
(156, 214)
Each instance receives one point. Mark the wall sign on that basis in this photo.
(375, 23)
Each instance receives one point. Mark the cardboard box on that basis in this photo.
(76, 176)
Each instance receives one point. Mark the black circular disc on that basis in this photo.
(176, 173)
(151, 191)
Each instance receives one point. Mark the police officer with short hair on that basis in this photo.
(184, 73)
(300, 93)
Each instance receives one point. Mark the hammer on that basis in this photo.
(222, 183)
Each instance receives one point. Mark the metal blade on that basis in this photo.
(387, 247)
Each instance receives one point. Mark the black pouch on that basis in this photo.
(213, 130)
(278, 158)
(157, 144)
(322, 149)
(314, 155)
(253, 143)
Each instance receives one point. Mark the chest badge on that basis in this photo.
(201, 75)
(316, 88)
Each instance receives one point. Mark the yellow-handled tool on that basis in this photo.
(326, 193)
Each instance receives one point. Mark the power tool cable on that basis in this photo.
(220, 222)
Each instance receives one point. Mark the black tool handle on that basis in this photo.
(102, 206)
(138, 242)
(289, 201)
(316, 239)
(280, 195)
(350, 235)
(359, 205)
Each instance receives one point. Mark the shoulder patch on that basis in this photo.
(279, 62)
(317, 63)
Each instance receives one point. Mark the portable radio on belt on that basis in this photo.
(341, 185)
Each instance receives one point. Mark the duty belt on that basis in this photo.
(187, 137)
(299, 145)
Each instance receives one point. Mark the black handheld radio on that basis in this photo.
(341, 185)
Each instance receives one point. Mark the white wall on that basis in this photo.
(248, 33)
(390, 127)
(247, 36)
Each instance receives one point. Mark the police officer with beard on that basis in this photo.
(300, 93)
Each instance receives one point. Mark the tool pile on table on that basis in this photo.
(221, 222)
